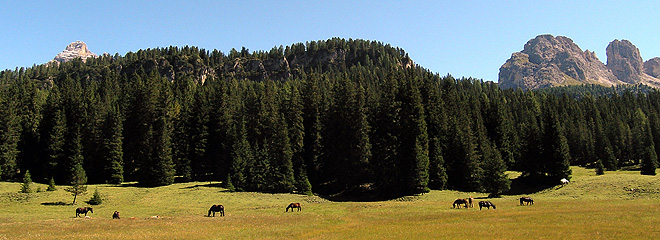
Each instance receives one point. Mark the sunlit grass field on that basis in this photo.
(617, 205)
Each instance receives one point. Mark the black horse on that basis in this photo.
(115, 215)
(83, 210)
(217, 208)
(486, 204)
(294, 206)
(460, 201)
(527, 200)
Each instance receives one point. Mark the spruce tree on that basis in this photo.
(78, 181)
(51, 185)
(600, 168)
(242, 157)
(649, 161)
(437, 171)
(495, 180)
(27, 183)
(414, 151)
(9, 138)
(111, 148)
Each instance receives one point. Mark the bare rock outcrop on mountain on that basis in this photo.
(548, 61)
(652, 67)
(77, 49)
(625, 62)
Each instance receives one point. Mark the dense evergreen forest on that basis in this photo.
(334, 117)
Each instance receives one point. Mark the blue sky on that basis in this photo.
(462, 38)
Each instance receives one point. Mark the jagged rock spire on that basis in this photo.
(77, 49)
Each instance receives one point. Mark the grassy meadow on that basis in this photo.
(617, 205)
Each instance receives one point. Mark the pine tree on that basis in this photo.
(242, 157)
(293, 112)
(27, 183)
(111, 148)
(600, 168)
(51, 185)
(9, 137)
(437, 172)
(78, 181)
(312, 127)
(346, 146)
(385, 136)
(556, 157)
(649, 161)
(414, 152)
(160, 168)
(495, 180)
(96, 199)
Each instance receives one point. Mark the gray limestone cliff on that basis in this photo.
(548, 61)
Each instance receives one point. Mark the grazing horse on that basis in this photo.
(115, 215)
(83, 210)
(294, 206)
(486, 204)
(470, 200)
(527, 200)
(217, 208)
(564, 181)
(460, 201)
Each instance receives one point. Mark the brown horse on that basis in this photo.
(217, 208)
(115, 215)
(470, 201)
(486, 204)
(83, 210)
(294, 206)
(460, 201)
(527, 200)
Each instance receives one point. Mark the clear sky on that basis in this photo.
(462, 38)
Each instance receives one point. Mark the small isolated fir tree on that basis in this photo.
(51, 185)
(96, 199)
(229, 186)
(600, 168)
(79, 179)
(27, 181)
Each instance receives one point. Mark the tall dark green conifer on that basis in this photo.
(414, 152)
(9, 137)
(111, 147)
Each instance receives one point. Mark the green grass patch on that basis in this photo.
(617, 205)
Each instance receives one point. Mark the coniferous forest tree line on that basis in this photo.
(366, 121)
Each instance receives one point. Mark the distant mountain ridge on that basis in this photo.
(548, 61)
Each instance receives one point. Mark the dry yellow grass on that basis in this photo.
(591, 207)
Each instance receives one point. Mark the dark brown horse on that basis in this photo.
(460, 201)
(486, 204)
(527, 200)
(217, 208)
(115, 215)
(294, 206)
(83, 210)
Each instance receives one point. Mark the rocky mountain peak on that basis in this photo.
(624, 60)
(77, 49)
(548, 61)
(652, 67)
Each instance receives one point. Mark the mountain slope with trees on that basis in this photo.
(347, 118)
